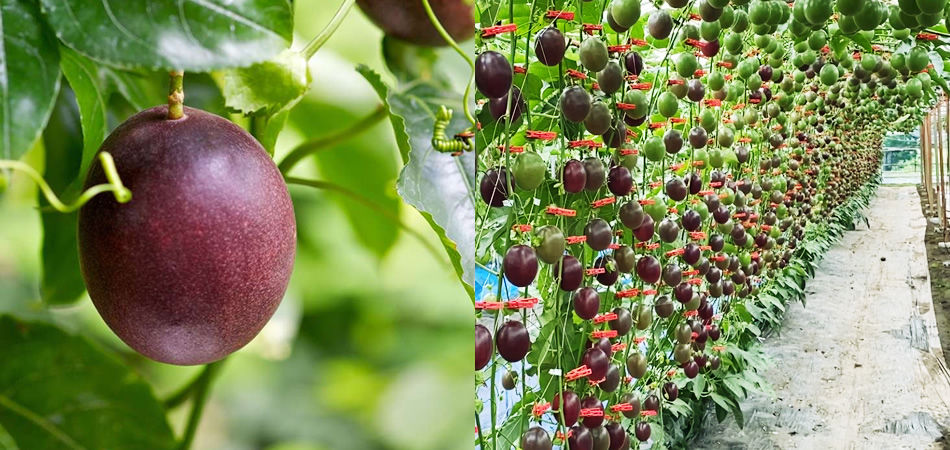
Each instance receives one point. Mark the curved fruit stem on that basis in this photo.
(328, 30)
(121, 193)
(312, 146)
(448, 38)
(176, 95)
(202, 388)
(326, 185)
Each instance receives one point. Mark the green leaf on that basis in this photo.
(83, 77)
(29, 77)
(862, 41)
(190, 35)
(433, 182)
(266, 87)
(61, 281)
(60, 391)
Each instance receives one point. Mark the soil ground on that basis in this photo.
(861, 366)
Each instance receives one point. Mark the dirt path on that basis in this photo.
(861, 366)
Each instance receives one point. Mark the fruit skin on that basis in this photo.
(206, 197)
(520, 265)
(484, 347)
(409, 22)
(550, 46)
(493, 74)
(536, 439)
(512, 341)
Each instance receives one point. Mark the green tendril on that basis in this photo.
(121, 193)
(448, 38)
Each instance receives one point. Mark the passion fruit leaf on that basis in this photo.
(30, 63)
(190, 35)
(85, 392)
(266, 87)
(91, 94)
(435, 183)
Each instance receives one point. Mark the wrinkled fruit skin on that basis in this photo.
(196, 263)
(409, 22)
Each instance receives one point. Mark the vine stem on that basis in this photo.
(313, 146)
(176, 95)
(201, 390)
(326, 185)
(448, 38)
(324, 36)
(121, 193)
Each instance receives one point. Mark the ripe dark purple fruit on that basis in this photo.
(512, 341)
(683, 292)
(571, 408)
(645, 231)
(676, 189)
(610, 275)
(691, 253)
(499, 106)
(408, 21)
(633, 62)
(591, 402)
(575, 177)
(597, 362)
(193, 267)
(580, 439)
(521, 265)
(536, 439)
(651, 403)
(670, 391)
(623, 323)
(598, 233)
(586, 303)
(643, 431)
(698, 137)
(612, 380)
(617, 435)
(494, 187)
(691, 220)
(483, 347)
(620, 182)
(648, 269)
(673, 141)
(493, 74)
(572, 275)
(691, 369)
(575, 104)
(550, 46)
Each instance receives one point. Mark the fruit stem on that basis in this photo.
(202, 389)
(324, 36)
(315, 145)
(121, 193)
(176, 95)
(448, 38)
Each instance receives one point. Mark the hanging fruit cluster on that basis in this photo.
(650, 174)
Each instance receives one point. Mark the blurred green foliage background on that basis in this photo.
(372, 346)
